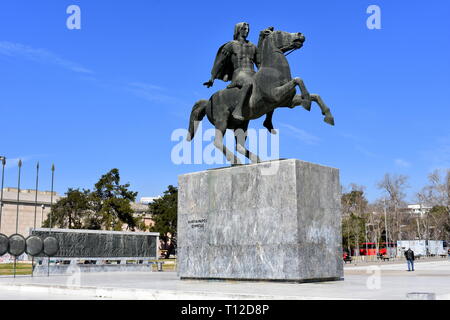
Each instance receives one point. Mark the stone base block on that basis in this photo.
(277, 220)
(73, 269)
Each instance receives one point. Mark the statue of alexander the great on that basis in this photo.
(253, 94)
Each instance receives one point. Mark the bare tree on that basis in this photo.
(437, 196)
(437, 193)
(448, 187)
(394, 188)
(375, 219)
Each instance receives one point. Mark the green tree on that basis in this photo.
(164, 212)
(354, 208)
(108, 207)
(110, 203)
(70, 211)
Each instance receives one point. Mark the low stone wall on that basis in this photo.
(68, 269)
(112, 245)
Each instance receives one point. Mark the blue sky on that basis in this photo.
(111, 94)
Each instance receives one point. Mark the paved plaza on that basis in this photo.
(369, 281)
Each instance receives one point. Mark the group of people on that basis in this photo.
(167, 246)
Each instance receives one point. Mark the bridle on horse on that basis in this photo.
(281, 49)
(289, 52)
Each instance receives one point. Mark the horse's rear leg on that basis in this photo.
(218, 143)
(241, 136)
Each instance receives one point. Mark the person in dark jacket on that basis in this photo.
(409, 255)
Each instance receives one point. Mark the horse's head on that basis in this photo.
(281, 40)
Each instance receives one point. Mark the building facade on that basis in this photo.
(22, 205)
(416, 210)
(141, 211)
(27, 208)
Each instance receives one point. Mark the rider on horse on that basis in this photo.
(235, 61)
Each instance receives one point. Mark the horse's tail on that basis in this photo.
(197, 114)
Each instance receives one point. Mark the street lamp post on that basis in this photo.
(42, 214)
(36, 195)
(51, 204)
(365, 237)
(18, 196)
(386, 225)
(17, 212)
(35, 208)
(400, 235)
(433, 228)
(432, 233)
(3, 159)
(365, 227)
(51, 195)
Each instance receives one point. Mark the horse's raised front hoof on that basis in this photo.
(329, 120)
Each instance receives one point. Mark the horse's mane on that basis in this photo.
(263, 35)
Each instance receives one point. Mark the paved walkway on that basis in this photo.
(388, 281)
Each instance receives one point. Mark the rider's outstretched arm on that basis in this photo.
(222, 57)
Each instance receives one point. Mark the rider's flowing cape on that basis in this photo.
(223, 67)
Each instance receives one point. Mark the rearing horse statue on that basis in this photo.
(273, 87)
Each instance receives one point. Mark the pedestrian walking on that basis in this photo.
(409, 255)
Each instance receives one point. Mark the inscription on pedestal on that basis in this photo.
(197, 224)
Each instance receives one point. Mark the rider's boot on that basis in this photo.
(245, 92)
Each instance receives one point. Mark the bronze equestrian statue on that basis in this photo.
(258, 94)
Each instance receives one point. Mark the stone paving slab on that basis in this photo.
(390, 281)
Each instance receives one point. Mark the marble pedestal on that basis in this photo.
(277, 220)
